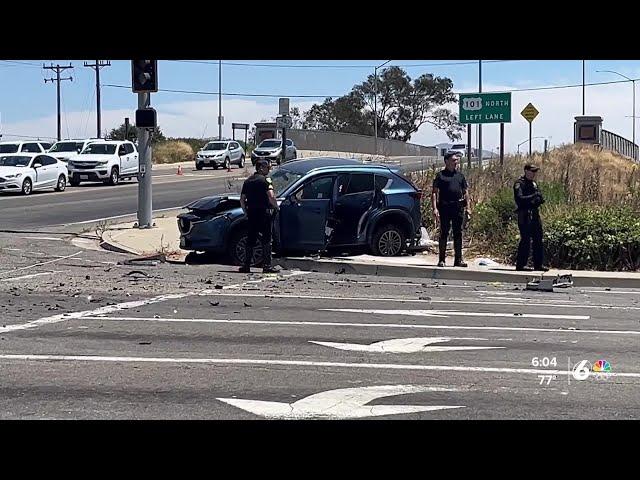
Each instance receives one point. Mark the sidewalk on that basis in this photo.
(165, 238)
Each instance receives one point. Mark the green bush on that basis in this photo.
(592, 237)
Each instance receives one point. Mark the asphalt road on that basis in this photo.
(85, 338)
(92, 201)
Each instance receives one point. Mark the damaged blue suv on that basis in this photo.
(325, 204)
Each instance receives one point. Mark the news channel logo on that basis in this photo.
(599, 370)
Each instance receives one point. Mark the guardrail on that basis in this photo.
(618, 144)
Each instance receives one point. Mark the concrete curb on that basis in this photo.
(446, 273)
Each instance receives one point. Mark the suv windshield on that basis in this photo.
(9, 148)
(99, 149)
(215, 146)
(283, 179)
(17, 161)
(66, 147)
(270, 144)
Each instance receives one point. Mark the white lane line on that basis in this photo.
(40, 264)
(450, 301)
(44, 238)
(24, 277)
(14, 249)
(123, 306)
(456, 313)
(298, 363)
(621, 292)
(359, 325)
(410, 284)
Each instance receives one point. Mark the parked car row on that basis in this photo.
(29, 166)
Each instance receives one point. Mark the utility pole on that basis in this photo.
(97, 66)
(220, 119)
(480, 125)
(58, 69)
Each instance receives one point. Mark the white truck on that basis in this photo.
(107, 162)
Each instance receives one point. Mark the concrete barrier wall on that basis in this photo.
(320, 140)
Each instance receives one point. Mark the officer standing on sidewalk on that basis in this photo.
(258, 202)
(450, 201)
(528, 199)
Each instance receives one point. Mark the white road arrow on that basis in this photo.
(444, 313)
(343, 403)
(404, 345)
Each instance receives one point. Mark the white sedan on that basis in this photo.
(26, 172)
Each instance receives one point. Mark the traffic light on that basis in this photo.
(146, 118)
(144, 76)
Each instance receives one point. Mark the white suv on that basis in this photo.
(65, 149)
(24, 147)
(107, 162)
(221, 153)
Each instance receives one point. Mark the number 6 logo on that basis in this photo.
(581, 370)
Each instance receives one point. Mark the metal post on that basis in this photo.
(583, 87)
(546, 147)
(469, 146)
(635, 157)
(530, 125)
(144, 179)
(58, 94)
(99, 119)
(375, 111)
(219, 99)
(502, 144)
(126, 128)
(480, 125)
(284, 145)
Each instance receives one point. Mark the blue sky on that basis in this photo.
(28, 105)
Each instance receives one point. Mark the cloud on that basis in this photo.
(199, 118)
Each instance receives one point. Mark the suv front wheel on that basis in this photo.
(388, 241)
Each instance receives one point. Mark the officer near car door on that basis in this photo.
(258, 202)
(450, 202)
(528, 200)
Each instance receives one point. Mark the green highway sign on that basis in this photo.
(485, 108)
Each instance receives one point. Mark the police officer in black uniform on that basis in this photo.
(528, 199)
(258, 202)
(450, 201)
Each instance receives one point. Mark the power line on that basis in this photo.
(265, 95)
(275, 65)
(195, 92)
(21, 63)
(27, 136)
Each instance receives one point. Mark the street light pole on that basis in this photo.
(633, 83)
(375, 106)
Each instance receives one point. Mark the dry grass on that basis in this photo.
(587, 175)
(172, 152)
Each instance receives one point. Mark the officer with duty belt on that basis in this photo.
(450, 201)
(258, 202)
(529, 199)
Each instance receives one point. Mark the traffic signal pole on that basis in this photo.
(145, 195)
(144, 80)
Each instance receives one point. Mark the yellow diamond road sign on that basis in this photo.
(530, 112)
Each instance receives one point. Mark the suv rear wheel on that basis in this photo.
(388, 241)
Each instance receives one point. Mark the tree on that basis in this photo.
(403, 106)
(119, 134)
